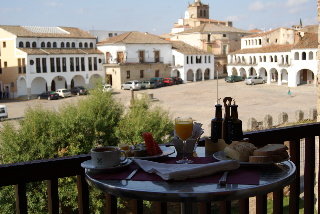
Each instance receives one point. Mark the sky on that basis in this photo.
(154, 16)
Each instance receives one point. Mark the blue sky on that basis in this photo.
(154, 16)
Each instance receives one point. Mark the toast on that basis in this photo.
(240, 151)
(271, 149)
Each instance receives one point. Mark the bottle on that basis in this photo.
(216, 124)
(237, 133)
(227, 122)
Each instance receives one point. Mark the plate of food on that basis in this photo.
(89, 165)
(147, 150)
(247, 154)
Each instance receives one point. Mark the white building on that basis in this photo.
(102, 35)
(135, 56)
(37, 59)
(190, 63)
(291, 61)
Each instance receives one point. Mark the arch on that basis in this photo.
(21, 86)
(190, 75)
(58, 82)
(86, 45)
(91, 45)
(68, 45)
(207, 74)
(296, 56)
(78, 80)
(275, 58)
(73, 44)
(252, 71)
(310, 55)
(62, 45)
(43, 44)
(175, 73)
(305, 76)
(20, 44)
(250, 60)
(238, 59)
(234, 71)
(304, 56)
(80, 44)
(243, 60)
(27, 44)
(264, 58)
(243, 72)
(263, 73)
(34, 44)
(284, 76)
(199, 75)
(48, 44)
(38, 85)
(274, 77)
(260, 58)
(54, 44)
(254, 60)
(271, 59)
(94, 80)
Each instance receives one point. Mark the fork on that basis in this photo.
(131, 174)
(223, 179)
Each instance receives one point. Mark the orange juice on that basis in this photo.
(184, 128)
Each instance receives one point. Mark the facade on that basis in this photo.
(190, 63)
(135, 56)
(216, 39)
(37, 59)
(280, 56)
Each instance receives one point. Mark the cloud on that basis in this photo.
(260, 6)
(234, 18)
(294, 3)
(53, 4)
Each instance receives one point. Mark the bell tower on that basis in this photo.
(198, 10)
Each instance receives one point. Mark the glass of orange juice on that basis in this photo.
(183, 128)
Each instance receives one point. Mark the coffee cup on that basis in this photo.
(108, 156)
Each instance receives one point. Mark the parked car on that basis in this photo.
(79, 90)
(147, 84)
(177, 80)
(107, 88)
(49, 95)
(131, 85)
(3, 112)
(252, 80)
(158, 81)
(63, 92)
(168, 81)
(233, 78)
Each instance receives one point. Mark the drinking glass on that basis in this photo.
(183, 128)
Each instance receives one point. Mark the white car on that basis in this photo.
(63, 92)
(3, 112)
(131, 85)
(252, 80)
(107, 88)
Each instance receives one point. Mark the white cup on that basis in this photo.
(108, 156)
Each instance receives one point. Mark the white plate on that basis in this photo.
(88, 165)
(222, 156)
(166, 151)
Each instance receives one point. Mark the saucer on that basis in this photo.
(88, 165)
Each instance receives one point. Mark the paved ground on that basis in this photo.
(198, 99)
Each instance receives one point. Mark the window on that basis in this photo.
(90, 63)
(0, 67)
(52, 66)
(224, 35)
(5, 64)
(304, 56)
(310, 55)
(80, 45)
(38, 65)
(205, 59)
(268, 40)
(95, 64)
(141, 73)
(34, 44)
(157, 73)
(64, 64)
(141, 56)
(62, 45)
(43, 45)
(44, 65)
(58, 64)
(191, 59)
(20, 44)
(83, 65)
(24, 68)
(296, 56)
(225, 49)
(110, 35)
(68, 45)
(209, 59)
(86, 45)
(91, 45)
(48, 44)
(128, 74)
(27, 44)
(77, 64)
(260, 41)
(156, 56)
(187, 59)
(4, 44)
(209, 37)
(275, 59)
(54, 44)
(73, 44)
(19, 66)
(71, 64)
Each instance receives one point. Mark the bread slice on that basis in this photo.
(270, 149)
(260, 159)
(240, 151)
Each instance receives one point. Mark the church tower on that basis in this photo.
(198, 10)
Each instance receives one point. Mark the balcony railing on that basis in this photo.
(136, 60)
(20, 174)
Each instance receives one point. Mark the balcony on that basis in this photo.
(20, 174)
(135, 61)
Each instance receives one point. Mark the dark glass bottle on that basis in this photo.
(237, 133)
(216, 124)
(227, 125)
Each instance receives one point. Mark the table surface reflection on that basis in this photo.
(272, 177)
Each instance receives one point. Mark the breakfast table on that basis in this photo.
(246, 181)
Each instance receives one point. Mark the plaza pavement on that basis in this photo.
(197, 100)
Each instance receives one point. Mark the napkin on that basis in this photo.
(184, 171)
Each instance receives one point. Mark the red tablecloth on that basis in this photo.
(243, 175)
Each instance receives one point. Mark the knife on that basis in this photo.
(223, 179)
(132, 174)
